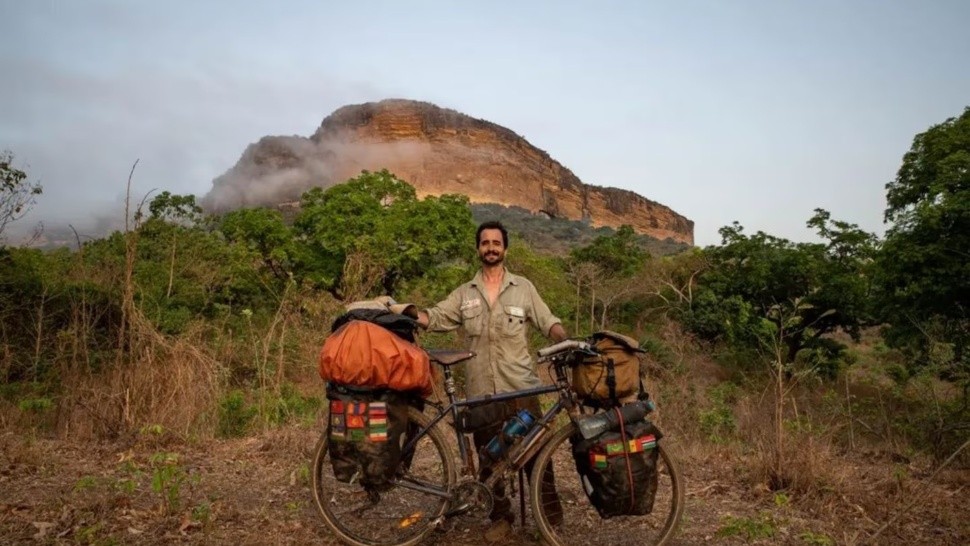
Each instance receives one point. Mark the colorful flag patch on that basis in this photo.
(636, 445)
(598, 460)
(614, 448)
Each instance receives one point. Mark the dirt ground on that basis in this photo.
(255, 490)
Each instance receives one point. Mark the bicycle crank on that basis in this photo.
(471, 498)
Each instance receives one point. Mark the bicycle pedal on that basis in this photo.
(459, 510)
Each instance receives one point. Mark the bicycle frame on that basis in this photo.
(519, 454)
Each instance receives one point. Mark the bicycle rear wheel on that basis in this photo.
(401, 516)
(581, 524)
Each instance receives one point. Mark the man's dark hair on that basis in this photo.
(492, 224)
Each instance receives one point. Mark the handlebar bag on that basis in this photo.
(618, 468)
(612, 376)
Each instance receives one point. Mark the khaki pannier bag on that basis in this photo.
(613, 376)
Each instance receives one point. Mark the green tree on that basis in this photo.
(373, 229)
(263, 232)
(619, 254)
(182, 272)
(924, 264)
(604, 269)
(750, 279)
(173, 208)
(33, 308)
(17, 194)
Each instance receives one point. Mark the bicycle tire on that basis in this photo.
(402, 516)
(581, 524)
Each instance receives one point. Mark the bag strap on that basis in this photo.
(611, 380)
(626, 456)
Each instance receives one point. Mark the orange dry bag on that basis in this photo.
(363, 354)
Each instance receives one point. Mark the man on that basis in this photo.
(493, 309)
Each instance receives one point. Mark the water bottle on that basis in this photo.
(515, 428)
(594, 425)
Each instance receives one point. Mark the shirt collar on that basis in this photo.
(507, 279)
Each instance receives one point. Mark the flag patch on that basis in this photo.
(598, 460)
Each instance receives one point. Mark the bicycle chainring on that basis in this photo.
(472, 499)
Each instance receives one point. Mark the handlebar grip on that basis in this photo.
(563, 346)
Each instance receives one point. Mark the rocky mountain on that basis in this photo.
(438, 151)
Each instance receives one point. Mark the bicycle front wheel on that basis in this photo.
(578, 522)
(400, 516)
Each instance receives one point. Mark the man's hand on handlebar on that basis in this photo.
(568, 345)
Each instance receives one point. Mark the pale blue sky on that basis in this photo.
(755, 111)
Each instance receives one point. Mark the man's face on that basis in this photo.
(491, 249)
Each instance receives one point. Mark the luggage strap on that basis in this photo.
(626, 456)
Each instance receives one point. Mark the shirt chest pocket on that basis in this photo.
(513, 321)
(471, 320)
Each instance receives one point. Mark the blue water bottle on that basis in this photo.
(514, 428)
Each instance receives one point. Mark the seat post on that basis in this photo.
(450, 388)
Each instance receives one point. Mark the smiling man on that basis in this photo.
(495, 309)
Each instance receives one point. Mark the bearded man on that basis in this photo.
(495, 309)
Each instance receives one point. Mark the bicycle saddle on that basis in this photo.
(447, 357)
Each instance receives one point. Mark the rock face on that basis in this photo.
(437, 151)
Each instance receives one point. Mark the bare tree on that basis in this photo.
(17, 194)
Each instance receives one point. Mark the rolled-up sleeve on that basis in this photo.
(542, 317)
(446, 315)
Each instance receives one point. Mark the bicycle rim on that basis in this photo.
(402, 516)
(581, 524)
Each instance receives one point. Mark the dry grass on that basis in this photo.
(165, 383)
(810, 465)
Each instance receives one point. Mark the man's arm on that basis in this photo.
(542, 317)
(419, 316)
(447, 314)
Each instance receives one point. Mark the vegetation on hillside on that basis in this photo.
(560, 235)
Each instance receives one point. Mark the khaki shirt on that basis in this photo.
(496, 335)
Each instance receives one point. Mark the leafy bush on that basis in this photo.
(718, 423)
(290, 405)
(235, 415)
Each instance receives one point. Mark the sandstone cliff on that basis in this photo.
(438, 151)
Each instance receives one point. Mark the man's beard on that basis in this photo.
(485, 258)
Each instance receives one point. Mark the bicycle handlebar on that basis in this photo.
(567, 345)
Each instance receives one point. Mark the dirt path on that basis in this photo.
(256, 491)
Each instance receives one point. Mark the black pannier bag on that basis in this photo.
(366, 430)
(618, 468)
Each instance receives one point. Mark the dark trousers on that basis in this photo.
(502, 508)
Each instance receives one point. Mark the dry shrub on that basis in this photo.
(22, 451)
(676, 373)
(162, 382)
(809, 469)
